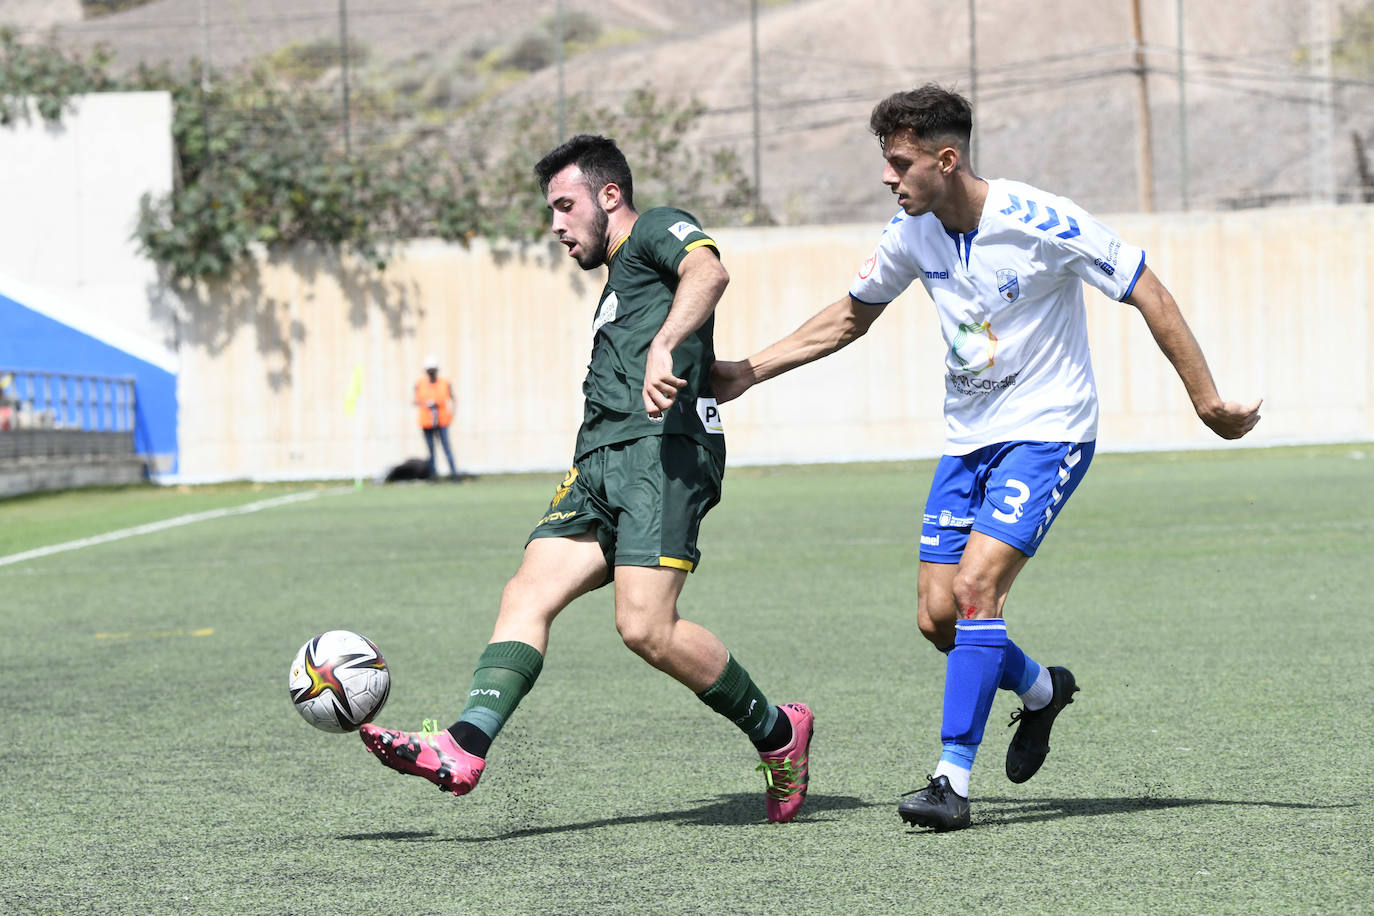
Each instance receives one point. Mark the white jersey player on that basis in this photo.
(1004, 263)
(1011, 310)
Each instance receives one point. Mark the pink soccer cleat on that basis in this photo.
(433, 755)
(785, 770)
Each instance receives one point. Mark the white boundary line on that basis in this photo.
(163, 525)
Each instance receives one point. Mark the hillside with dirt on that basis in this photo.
(1058, 95)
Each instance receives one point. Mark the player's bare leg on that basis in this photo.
(647, 618)
(976, 586)
(554, 571)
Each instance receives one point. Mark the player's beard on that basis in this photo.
(593, 252)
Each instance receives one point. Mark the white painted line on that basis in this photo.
(164, 525)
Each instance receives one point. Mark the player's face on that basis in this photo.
(579, 220)
(912, 172)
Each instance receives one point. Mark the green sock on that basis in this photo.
(505, 673)
(736, 697)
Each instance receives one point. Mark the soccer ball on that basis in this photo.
(339, 681)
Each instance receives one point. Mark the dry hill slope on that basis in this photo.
(1056, 91)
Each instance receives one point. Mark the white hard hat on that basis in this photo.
(431, 361)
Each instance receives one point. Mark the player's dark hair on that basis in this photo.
(600, 161)
(930, 113)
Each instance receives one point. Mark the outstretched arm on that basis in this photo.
(832, 328)
(1228, 419)
(701, 280)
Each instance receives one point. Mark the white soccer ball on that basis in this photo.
(339, 681)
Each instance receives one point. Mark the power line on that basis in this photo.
(326, 16)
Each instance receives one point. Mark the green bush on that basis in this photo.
(261, 160)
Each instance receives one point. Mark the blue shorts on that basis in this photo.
(1011, 491)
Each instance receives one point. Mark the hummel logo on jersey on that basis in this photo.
(930, 540)
(937, 274)
(683, 229)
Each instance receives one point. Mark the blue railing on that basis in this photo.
(33, 399)
(65, 414)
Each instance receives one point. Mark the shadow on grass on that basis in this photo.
(739, 809)
(1003, 811)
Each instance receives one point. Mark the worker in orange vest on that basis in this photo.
(434, 399)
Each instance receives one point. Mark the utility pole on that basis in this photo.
(1182, 113)
(558, 37)
(343, 63)
(1144, 165)
(754, 66)
(1322, 108)
(205, 72)
(973, 77)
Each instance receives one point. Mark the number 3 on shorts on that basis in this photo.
(1016, 502)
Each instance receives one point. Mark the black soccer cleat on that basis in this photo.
(1031, 743)
(937, 806)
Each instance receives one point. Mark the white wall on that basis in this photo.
(70, 196)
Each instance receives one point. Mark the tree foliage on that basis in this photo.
(262, 161)
(1354, 49)
(46, 75)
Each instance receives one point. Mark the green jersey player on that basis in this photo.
(648, 465)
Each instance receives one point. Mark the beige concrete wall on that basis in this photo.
(1280, 299)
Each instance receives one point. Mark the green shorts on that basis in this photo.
(644, 498)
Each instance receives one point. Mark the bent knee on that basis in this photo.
(939, 633)
(650, 643)
(975, 595)
(936, 613)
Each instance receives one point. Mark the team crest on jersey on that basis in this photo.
(563, 488)
(683, 229)
(1007, 284)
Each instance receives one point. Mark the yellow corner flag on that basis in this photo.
(355, 389)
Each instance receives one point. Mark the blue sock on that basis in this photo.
(1019, 671)
(972, 674)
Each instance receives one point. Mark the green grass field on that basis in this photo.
(1214, 607)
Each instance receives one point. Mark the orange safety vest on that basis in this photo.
(436, 391)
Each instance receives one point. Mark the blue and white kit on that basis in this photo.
(1020, 398)
(1011, 310)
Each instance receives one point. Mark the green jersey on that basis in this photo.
(639, 292)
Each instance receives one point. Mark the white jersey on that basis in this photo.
(1011, 310)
